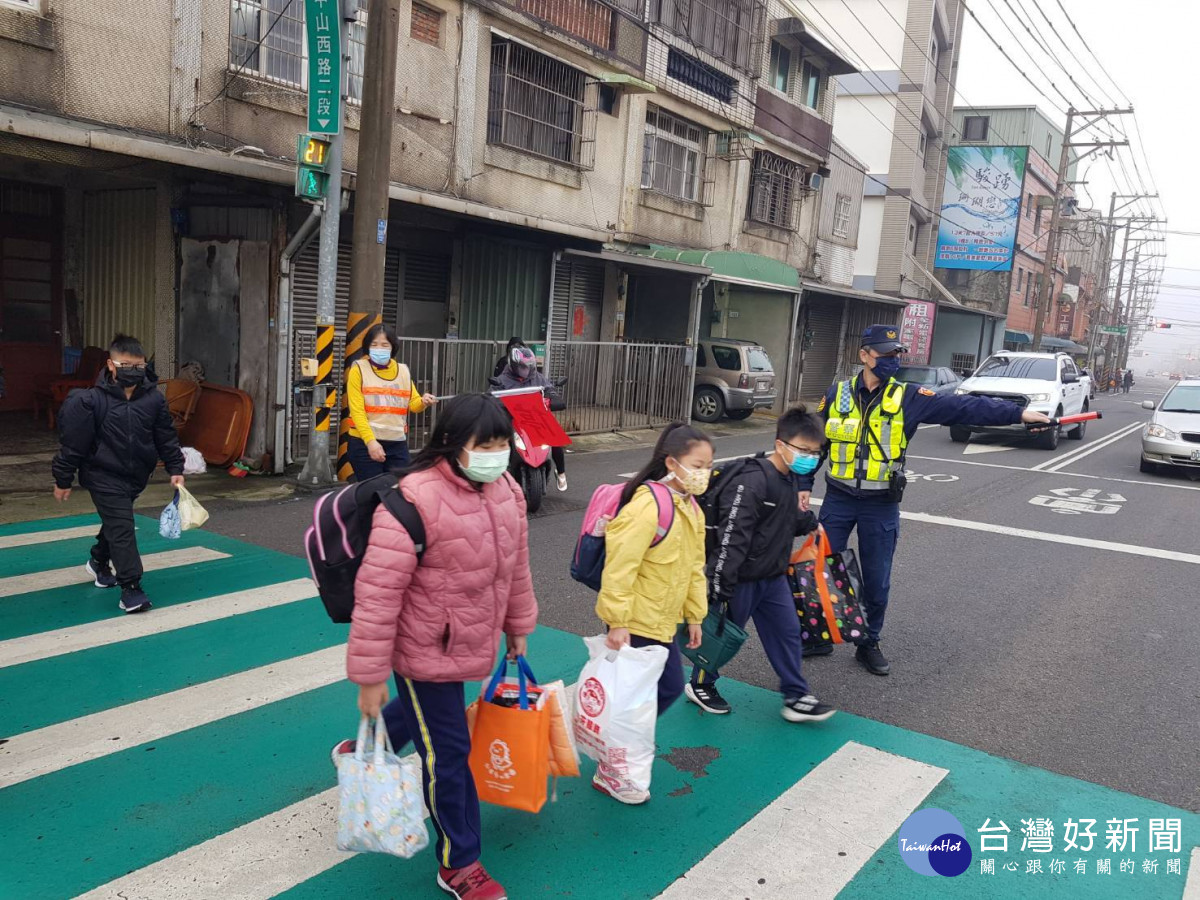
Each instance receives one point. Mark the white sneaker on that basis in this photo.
(562, 483)
(619, 791)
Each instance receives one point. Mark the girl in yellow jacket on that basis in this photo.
(647, 591)
(380, 393)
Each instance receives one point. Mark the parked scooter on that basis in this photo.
(530, 464)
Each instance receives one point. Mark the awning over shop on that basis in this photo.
(646, 262)
(1053, 343)
(1017, 337)
(736, 267)
(817, 287)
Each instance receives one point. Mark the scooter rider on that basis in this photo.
(522, 372)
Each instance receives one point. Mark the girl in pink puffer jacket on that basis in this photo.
(437, 624)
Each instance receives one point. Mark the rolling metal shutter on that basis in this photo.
(823, 320)
(304, 287)
(576, 283)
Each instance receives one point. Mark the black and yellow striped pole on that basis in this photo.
(357, 326)
(324, 378)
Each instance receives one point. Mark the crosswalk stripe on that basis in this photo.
(76, 574)
(815, 836)
(171, 618)
(260, 859)
(55, 747)
(1191, 890)
(31, 538)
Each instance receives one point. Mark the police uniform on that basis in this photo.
(868, 434)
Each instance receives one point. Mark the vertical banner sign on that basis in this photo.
(916, 331)
(981, 208)
(323, 18)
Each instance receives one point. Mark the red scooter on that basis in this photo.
(535, 433)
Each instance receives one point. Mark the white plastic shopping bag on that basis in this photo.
(616, 710)
(380, 808)
(191, 513)
(193, 462)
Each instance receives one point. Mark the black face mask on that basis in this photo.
(131, 376)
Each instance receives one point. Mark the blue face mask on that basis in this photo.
(804, 463)
(887, 366)
(381, 356)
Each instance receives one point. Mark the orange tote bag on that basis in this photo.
(510, 746)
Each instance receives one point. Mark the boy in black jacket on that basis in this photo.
(113, 435)
(757, 518)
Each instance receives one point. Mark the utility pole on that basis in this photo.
(369, 254)
(317, 469)
(1060, 190)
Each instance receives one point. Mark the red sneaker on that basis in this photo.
(470, 883)
(340, 748)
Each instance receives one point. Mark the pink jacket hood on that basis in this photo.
(443, 620)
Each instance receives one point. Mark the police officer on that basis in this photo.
(869, 421)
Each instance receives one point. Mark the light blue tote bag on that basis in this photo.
(380, 807)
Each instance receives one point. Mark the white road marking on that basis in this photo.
(45, 537)
(1191, 890)
(964, 462)
(716, 462)
(1132, 549)
(927, 425)
(111, 631)
(261, 859)
(57, 578)
(1097, 445)
(1070, 456)
(1076, 501)
(840, 813)
(55, 747)
(973, 449)
(1069, 540)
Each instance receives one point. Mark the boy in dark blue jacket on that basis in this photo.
(113, 435)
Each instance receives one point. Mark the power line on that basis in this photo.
(1054, 30)
(1088, 46)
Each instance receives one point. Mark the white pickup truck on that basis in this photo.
(1048, 383)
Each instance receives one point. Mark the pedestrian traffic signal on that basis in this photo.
(312, 178)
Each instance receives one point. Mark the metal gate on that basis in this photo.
(612, 387)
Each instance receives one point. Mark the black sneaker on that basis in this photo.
(806, 709)
(872, 658)
(707, 698)
(102, 574)
(823, 649)
(134, 599)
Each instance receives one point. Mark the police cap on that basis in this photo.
(882, 338)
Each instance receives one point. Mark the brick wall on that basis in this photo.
(426, 24)
(585, 19)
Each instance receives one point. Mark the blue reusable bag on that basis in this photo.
(380, 806)
(170, 525)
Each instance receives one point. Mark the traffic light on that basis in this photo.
(1163, 325)
(312, 176)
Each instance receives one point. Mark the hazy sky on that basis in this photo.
(1150, 49)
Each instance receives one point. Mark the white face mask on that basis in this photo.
(486, 466)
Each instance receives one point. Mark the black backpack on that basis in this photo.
(337, 539)
(722, 477)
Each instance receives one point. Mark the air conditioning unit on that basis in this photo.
(812, 180)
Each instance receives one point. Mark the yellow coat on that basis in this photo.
(650, 590)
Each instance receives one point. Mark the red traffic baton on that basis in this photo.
(1067, 420)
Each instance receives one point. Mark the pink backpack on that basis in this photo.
(587, 565)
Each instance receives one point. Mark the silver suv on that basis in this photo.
(733, 378)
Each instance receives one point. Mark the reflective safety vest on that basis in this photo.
(386, 402)
(866, 456)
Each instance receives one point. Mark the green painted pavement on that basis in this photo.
(41, 525)
(40, 693)
(74, 552)
(247, 567)
(85, 825)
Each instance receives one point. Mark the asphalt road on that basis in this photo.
(1043, 604)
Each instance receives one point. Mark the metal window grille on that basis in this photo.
(673, 158)
(841, 216)
(731, 30)
(541, 106)
(774, 184)
(962, 362)
(267, 39)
